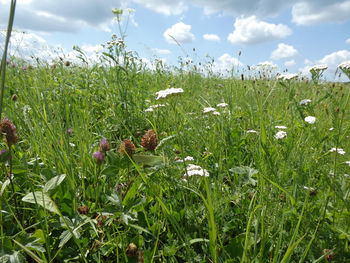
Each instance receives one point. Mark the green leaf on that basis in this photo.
(4, 156)
(149, 160)
(54, 182)
(41, 199)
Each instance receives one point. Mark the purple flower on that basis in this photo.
(104, 146)
(99, 157)
(220, 85)
(3, 151)
(24, 68)
(70, 131)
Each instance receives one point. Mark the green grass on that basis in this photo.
(252, 208)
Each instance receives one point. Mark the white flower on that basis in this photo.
(348, 163)
(331, 129)
(187, 159)
(209, 109)
(251, 131)
(338, 150)
(281, 127)
(309, 188)
(222, 105)
(319, 68)
(287, 76)
(152, 107)
(304, 102)
(192, 169)
(345, 65)
(216, 113)
(310, 119)
(166, 92)
(280, 135)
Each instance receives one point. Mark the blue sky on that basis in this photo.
(291, 35)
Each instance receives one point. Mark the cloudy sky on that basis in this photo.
(292, 35)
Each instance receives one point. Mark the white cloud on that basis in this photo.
(161, 51)
(347, 41)
(251, 30)
(334, 59)
(310, 12)
(166, 7)
(290, 63)
(211, 37)
(181, 32)
(283, 51)
(226, 63)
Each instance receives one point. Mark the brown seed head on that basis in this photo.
(83, 210)
(330, 253)
(7, 128)
(14, 97)
(131, 250)
(149, 141)
(128, 147)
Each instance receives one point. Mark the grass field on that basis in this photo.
(225, 170)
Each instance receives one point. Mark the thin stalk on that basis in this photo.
(4, 55)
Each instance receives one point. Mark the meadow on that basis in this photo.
(114, 162)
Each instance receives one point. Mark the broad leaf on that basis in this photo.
(41, 199)
(54, 182)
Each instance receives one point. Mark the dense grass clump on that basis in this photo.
(226, 170)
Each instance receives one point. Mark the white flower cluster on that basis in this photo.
(192, 170)
(338, 150)
(187, 159)
(280, 135)
(251, 131)
(210, 109)
(304, 102)
(345, 65)
(222, 105)
(281, 127)
(152, 107)
(318, 68)
(310, 119)
(287, 76)
(164, 93)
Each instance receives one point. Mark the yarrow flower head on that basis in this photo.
(310, 119)
(222, 105)
(345, 67)
(211, 109)
(251, 131)
(187, 159)
(281, 127)
(304, 102)
(287, 76)
(152, 107)
(317, 71)
(149, 141)
(337, 150)
(280, 135)
(164, 93)
(99, 156)
(9, 130)
(192, 170)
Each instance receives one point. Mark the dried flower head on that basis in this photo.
(131, 250)
(14, 97)
(330, 254)
(83, 210)
(128, 147)
(7, 128)
(104, 146)
(149, 141)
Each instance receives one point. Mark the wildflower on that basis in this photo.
(4, 150)
(281, 127)
(187, 159)
(104, 146)
(287, 76)
(310, 119)
(345, 67)
(70, 131)
(347, 162)
(99, 156)
(7, 128)
(128, 147)
(152, 107)
(164, 93)
(331, 129)
(318, 68)
(149, 141)
(216, 113)
(222, 105)
(209, 109)
(24, 68)
(192, 169)
(280, 135)
(338, 150)
(67, 64)
(304, 102)
(251, 131)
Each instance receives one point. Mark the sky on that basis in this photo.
(284, 35)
